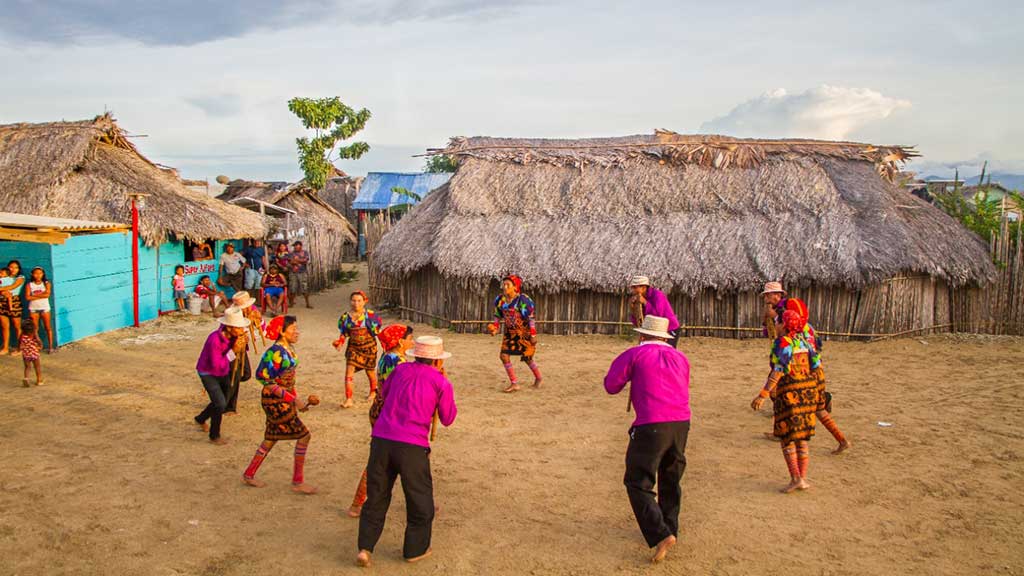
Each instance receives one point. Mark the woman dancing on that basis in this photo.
(396, 340)
(793, 386)
(276, 371)
(515, 310)
(361, 326)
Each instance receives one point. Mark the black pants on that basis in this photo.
(388, 461)
(656, 456)
(217, 389)
(674, 340)
(241, 376)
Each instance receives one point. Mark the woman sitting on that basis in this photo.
(273, 288)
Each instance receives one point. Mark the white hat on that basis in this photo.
(654, 326)
(428, 347)
(233, 317)
(640, 281)
(772, 288)
(242, 299)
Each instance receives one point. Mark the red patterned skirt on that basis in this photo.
(283, 421)
(362, 350)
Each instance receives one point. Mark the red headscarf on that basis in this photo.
(361, 293)
(390, 336)
(793, 322)
(515, 280)
(797, 305)
(273, 330)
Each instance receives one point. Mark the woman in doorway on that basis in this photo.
(10, 308)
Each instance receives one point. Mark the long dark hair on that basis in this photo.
(44, 280)
(18, 262)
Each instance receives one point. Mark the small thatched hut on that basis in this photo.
(709, 218)
(322, 229)
(89, 170)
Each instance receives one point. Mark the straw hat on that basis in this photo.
(233, 317)
(773, 287)
(242, 299)
(430, 348)
(640, 281)
(654, 326)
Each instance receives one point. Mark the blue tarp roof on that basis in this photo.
(375, 192)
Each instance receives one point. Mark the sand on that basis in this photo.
(103, 471)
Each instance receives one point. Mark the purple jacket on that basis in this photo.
(660, 377)
(412, 393)
(657, 305)
(213, 360)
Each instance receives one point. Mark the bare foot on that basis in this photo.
(843, 446)
(420, 557)
(661, 550)
(39, 382)
(230, 413)
(363, 559)
(348, 403)
(536, 383)
(355, 511)
(511, 388)
(204, 426)
(792, 487)
(770, 436)
(218, 441)
(371, 396)
(803, 485)
(253, 482)
(304, 489)
(25, 382)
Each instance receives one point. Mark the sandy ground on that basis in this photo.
(103, 472)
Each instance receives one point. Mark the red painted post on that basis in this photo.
(135, 263)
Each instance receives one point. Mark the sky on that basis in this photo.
(203, 86)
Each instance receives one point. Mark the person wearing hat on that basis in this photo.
(514, 319)
(400, 447)
(656, 455)
(647, 300)
(247, 304)
(214, 367)
(774, 306)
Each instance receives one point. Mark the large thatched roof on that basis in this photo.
(299, 197)
(693, 212)
(87, 169)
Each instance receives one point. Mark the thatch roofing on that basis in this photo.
(87, 169)
(299, 197)
(693, 212)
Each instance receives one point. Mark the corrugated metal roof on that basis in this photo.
(375, 192)
(13, 220)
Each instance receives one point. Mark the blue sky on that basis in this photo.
(205, 84)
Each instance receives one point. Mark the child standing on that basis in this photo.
(178, 285)
(30, 345)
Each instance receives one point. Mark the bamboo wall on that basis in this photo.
(905, 305)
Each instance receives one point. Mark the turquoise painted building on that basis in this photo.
(91, 277)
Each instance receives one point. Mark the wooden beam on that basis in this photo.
(20, 235)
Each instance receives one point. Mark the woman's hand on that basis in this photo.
(757, 403)
(338, 343)
(301, 404)
(533, 339)
(492, 329)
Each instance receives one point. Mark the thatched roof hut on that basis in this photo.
(325, 232)
(701, 215)
(87, 169)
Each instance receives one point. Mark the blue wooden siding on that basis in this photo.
(92, 285)
(91, 276)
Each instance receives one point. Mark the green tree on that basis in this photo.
(331, 121)
(441, 163)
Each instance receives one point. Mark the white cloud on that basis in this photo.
(827, 112)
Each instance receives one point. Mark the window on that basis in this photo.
(199, 251)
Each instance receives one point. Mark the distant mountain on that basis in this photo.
(1007, 179)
